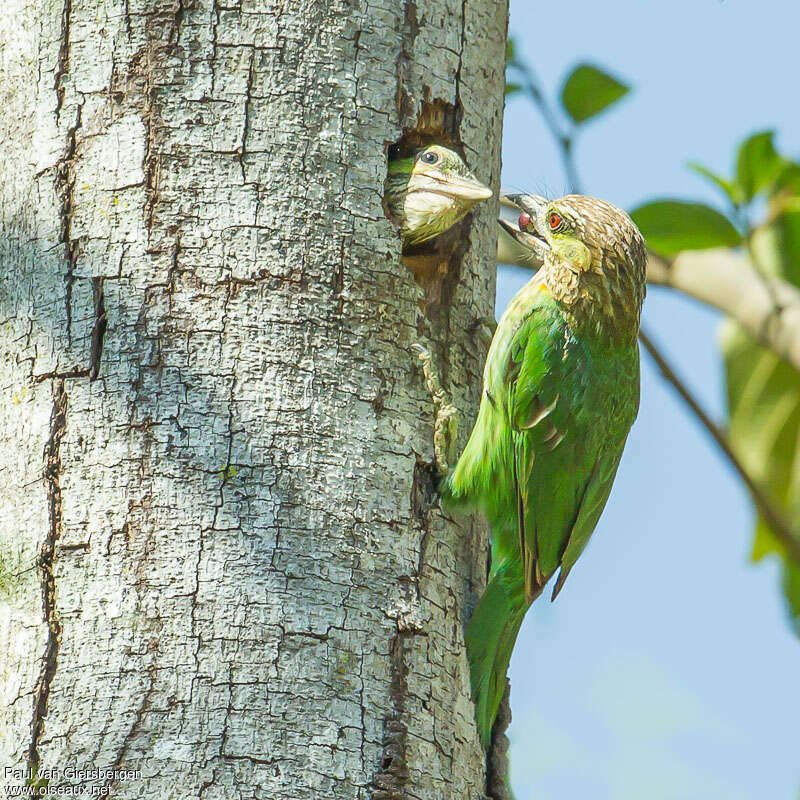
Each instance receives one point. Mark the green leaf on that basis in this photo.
(588, 90)
(791, 590)
(512, 88)
(764, 542)
(671, 226)
(764, 390)
(728, 189)
(764, 432)
(510, 50)
(789, 178)
(776, 245)
(758, 165)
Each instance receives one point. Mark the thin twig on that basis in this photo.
(766, 306)
(562, 138)
(777, 522)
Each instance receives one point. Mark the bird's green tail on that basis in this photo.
(491, 634)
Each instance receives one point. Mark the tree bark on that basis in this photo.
(222, 563)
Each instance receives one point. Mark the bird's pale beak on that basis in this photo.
(511, 206)
(465, 188)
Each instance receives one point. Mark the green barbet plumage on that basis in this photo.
(560, 393)
(429, 191)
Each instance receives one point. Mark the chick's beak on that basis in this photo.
(463, 187)
(511, 207)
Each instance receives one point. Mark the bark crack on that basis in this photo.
(497, 756)
(391, 780)
(64, 185)
(179, 10)
(135, 726)
(52, 480)
(150, 161)
(246, 124)
(403, 101)
(457, 101)
(214, 27)
(62, 65)
(99, 329)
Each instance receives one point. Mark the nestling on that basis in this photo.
(429, 191)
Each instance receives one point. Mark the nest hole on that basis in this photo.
(436, 263)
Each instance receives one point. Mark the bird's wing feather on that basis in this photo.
(560, 480)
(532, 403)
(592, 504)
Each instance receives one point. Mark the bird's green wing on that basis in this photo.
(482, 473)
(533, 408)
(594, 500)
(562, 474)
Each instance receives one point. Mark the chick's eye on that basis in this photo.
(430, 158)
(524, 220)
(554, 220)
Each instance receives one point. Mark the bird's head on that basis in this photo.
(429, 191)
(592, 254)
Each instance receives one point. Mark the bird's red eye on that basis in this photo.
(554, 220)
(524, 220)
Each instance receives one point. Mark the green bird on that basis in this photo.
(429, 191)
(560, 393)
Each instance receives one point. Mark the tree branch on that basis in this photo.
(766, 307)
(562, 138)
(778, 524)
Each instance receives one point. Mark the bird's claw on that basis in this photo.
(445, 437)
(445, 426)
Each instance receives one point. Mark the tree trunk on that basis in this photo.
(222, 561)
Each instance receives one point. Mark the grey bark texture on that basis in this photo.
(222, 562)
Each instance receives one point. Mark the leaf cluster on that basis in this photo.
(763, 391)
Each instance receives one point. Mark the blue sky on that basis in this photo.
(667, 669)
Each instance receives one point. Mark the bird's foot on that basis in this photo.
(445, 436)
(445, 426)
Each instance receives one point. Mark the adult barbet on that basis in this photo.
(560, 393)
